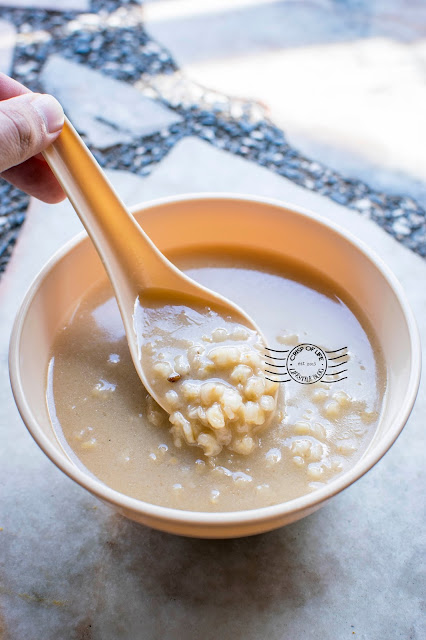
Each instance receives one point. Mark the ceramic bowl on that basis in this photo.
(228, 222)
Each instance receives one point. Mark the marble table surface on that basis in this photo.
(70, 568)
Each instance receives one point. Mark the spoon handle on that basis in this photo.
(123, 246)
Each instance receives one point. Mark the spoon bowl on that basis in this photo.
(135, 266)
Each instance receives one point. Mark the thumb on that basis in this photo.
(28, 124)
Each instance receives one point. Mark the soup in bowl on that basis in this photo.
(256, 434)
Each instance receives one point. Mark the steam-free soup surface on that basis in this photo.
(108, 424)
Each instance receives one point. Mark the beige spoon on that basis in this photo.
(133, 263)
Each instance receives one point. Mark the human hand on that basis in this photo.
(29, 122)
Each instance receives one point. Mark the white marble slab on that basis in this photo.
(73, 569)
(7, 45)
(86, 95)
(344, 80)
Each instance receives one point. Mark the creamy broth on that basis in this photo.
(108, 424)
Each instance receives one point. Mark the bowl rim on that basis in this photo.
(219, 518)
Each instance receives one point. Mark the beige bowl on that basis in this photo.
(221, 221)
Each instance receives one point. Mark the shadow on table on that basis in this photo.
(207, 32)
(232, 583)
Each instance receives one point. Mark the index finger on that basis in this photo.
(10, 88)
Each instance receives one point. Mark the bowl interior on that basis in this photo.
(228, 223)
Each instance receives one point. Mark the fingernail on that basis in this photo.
(51, 111)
